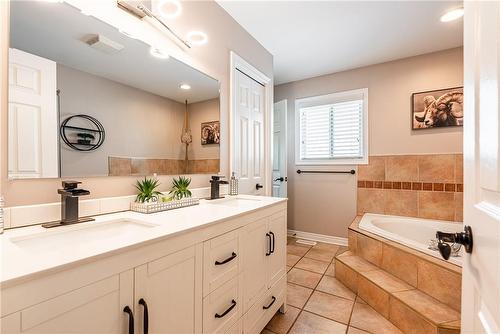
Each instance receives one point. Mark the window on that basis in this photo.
(332, 129)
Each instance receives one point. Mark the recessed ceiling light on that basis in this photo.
(184, 86)
(170, 8)
(197, 37)
(452, 15)
(155, 52)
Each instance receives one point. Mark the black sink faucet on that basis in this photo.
(215, 183)
(69, 204)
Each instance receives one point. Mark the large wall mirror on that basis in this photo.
(86, 100)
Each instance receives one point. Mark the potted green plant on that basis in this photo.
(180, 188)
(147, 190)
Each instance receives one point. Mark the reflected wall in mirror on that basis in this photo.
(149, 107)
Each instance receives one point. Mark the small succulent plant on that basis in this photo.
(180, 188)
(147, 190)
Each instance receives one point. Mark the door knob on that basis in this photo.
(463, 238)
(258, 186)
(281, 179)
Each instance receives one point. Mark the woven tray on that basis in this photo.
(163, 206)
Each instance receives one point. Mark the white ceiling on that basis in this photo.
(57, 31)
(312, 38)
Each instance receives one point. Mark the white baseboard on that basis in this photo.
(318, 237)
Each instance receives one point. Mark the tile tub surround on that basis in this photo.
(414, 291)
(325, 307)
(424, 186)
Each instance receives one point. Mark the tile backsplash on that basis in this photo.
(120, 166)
(425, 186)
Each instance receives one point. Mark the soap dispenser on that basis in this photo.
(233, 185)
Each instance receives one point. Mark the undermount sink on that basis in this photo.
(81, 234)
(235, 201)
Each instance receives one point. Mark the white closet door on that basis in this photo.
(33, 123)
(249, 130)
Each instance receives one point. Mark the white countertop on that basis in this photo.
(19, 260)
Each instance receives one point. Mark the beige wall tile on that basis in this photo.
(374, 296)
(119, 166)
(345, 275)
(436, 168)
(374, 171)
(459, 168)
(440, 283)
(352, 241)
(408, 320)
(400, 264)
(387, 281)
(401, 203)
(369, 249)
(436, 205)
(401, 168)
(459, 207)
(371, 200)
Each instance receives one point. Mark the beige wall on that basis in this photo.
(326, 204)
(200, 112)
(213, 58)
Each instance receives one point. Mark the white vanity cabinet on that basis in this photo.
(226, 277)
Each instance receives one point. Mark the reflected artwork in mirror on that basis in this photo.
(86, 100)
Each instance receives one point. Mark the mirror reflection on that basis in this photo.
(87, 100)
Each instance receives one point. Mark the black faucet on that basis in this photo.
(69, 204)
(215, 182)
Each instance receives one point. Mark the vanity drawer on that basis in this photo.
(221, 260)
(237, 328)
(222, 308)
(264, 309)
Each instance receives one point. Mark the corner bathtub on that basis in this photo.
(415, 233)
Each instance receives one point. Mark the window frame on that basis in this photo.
(331, 99)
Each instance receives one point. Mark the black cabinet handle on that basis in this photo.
(233, 304)
(146, 316)
(273, 242)
(272, 302)
(268, 252)
(232, 257)
(128, 310)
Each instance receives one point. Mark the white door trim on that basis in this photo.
(238, 63)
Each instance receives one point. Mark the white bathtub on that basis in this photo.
(412, 232)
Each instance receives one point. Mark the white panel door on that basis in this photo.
(249, 151)
(172, 290)
(33, 121)
(481, 268)
(279, 150)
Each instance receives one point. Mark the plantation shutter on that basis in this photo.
(332, 131)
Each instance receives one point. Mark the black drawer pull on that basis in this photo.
(268, 252)
(272, 302)
(232, 257)
(146, 316)
(233, 304)
(273, 243)
(127, 310)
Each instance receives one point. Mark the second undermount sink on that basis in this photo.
(81, 234)
(235, 201)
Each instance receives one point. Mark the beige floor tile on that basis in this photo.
(357, 263)
(311, 323)
(303, 277)
(331, 270)
(292, 259)
(334, 287)
(354, 330)
(296, 250)
(329, 306)
(360, 300)
(328, 247)
(387, 281)
(281, 323)
(316, 266)
(297, 295)
(366, 318)
(288, 268)
(320, 254)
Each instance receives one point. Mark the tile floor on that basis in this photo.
(317, 302)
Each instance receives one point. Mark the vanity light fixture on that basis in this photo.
(169, 8)
(155, 52)
(185, 86)
(197, 37)
(452, 15)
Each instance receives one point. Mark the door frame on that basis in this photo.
(285, 130)
(237, 63)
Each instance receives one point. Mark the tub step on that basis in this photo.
(408, 308)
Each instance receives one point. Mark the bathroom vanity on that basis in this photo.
(219, 267)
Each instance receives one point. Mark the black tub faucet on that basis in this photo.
(69, 204)
(215, 183)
